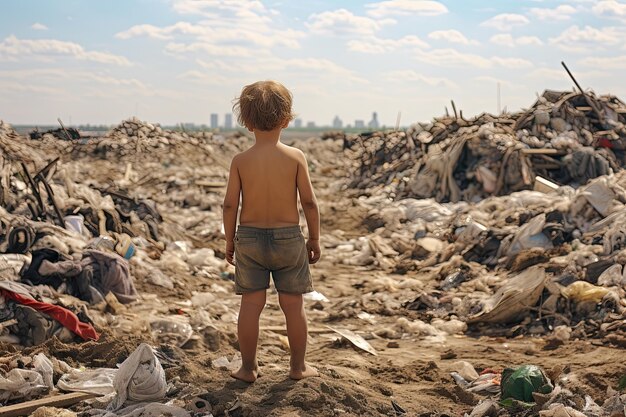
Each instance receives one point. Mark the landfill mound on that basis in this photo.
(6, 130)
(565, 137)
(419, 305)
(134, 138)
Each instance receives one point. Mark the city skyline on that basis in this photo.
(170, 60)
(298, 122)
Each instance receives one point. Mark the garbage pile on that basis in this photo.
(133, 137)
(529, 390)
(61, 133)
(60, 236)
(565, 137)
(6, 130)
(540, 260)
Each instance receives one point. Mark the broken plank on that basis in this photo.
(211, 184)
(540, 151)
(283, 329)
(64, 400)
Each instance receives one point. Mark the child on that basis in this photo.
(268, 176)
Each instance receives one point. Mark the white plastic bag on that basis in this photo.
(21, 383)
(139, 378)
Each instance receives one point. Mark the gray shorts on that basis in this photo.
(281, 251)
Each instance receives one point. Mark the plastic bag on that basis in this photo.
(174, 330)
(97, 381)
(21, 383)
(520, 383)
(140, 378)
(584, 291)
(42, 364)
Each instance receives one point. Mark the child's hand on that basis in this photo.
(230, 252)
(314, 251)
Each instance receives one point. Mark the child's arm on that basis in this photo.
(310, 208)
(231, 207)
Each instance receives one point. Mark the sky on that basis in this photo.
(178, 61)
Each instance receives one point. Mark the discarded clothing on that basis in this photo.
(108, 272)
(60, 314)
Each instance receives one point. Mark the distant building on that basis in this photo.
(189, 126)
(228, 121)
(214, 121)
(310, 125)
(297, 123)
(373, 124)
(359, 124)
(337, 123)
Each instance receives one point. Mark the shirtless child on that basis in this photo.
(268, 176)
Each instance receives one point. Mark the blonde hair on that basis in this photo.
(264, 105)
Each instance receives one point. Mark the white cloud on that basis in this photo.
(610, 8)
(512, 63)
(342, 22)
(310, 67)
(47, 74)
(177, 48)
(504, 83)
(547, 73)
(163, 33)
(406, 7)
(507, 39)
(560, 74)
(12, 48)
(29, 88)
(206, 32)
(562, 12)
(240, 23)
(39, 26)
(584, 39)
(506, 21)
(374, 45)
(452, 36)
(451, 58)
(412, 76)
(243, 10)
(616, 62)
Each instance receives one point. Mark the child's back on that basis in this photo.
(269, 183)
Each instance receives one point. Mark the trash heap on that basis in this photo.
(133, 137)
(7, 131)
(565, 137)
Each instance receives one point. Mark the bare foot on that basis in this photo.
(245, 375)
(307, 372)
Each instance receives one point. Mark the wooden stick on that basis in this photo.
(587, 98)
(52, 200)
(456, 116)
(33, 186)
(540, 151)
(283, 329)
(26, 408)
(64, 129)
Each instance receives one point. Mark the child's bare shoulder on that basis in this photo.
(294, 153)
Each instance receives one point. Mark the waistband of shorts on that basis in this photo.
(269, 231)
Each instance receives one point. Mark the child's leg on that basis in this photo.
(248, 334)
(293, 307)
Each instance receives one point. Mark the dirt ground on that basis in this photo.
(410, 371)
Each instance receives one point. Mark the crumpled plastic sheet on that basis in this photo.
(22, 383)
(143, 410)
(139, 378)
(97, 381)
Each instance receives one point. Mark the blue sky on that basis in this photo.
(173, 61)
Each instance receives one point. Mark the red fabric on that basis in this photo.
(60, 314)
(605, 143)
